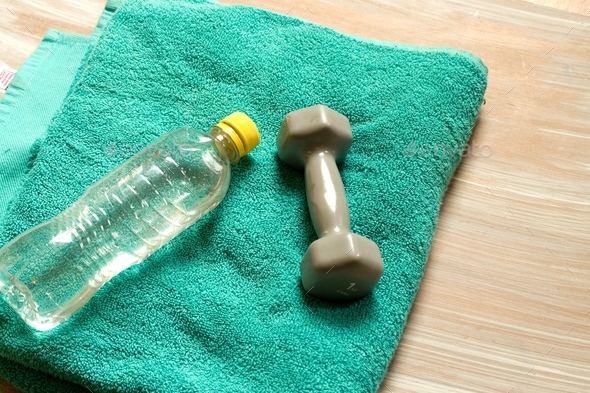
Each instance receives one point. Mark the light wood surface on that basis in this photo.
(577, 6)
(505, 301)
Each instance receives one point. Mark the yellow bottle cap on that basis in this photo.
(245, 133)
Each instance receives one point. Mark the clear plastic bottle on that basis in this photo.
(53, 269)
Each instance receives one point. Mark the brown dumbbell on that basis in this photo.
(340, 265)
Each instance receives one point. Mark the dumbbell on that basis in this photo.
(340, 265)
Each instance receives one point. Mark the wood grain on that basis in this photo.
(578, 6)
(505, 300)
(24, 22)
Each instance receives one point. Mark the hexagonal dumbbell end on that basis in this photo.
(339, 265)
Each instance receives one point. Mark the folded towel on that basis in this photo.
(35, 94)
(221, 308)
(18, 128)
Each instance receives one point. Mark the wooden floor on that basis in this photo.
(505, 301)
(578, 6)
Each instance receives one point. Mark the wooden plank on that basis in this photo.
(24, 22)
(505, 301)
(581, 7)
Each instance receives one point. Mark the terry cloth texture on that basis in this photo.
(221, 308)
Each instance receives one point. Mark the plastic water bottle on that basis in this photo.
(53, 269)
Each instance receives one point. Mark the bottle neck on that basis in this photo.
(225, 143)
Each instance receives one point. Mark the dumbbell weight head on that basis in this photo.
(309, 129)
(341, 267)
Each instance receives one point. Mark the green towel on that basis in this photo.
(221, 308)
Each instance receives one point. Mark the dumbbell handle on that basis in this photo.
(325, 195)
